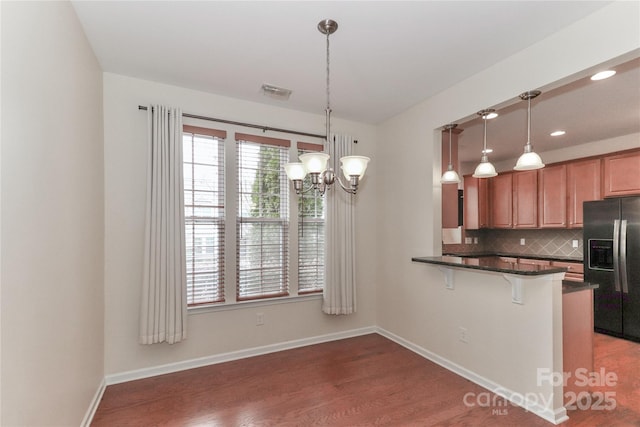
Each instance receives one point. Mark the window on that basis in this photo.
(238, 220)
(262, 222)
(310, 234)
(203, 168)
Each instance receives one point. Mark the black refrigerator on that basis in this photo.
(612, 260)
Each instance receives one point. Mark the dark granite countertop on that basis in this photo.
(491, 263)
(569, 286)
(527, 256)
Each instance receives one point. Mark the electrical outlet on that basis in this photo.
(259, 319)
(475, 240)
(467, 240)
(463, 334)
(574, 243)
(522, 242)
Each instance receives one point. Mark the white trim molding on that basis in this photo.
(556, 417)
(234, 355)
(95, 402)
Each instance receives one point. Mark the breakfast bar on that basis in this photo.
(509, 318)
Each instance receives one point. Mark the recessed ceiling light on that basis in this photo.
(492, 116)
(275, 92)
(603, 75)
(558, 133)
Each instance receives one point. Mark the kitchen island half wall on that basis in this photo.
(503, 328)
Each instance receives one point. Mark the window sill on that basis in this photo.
(256, 303)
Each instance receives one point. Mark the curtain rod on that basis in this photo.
(250, 125)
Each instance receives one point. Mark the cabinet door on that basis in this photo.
(552, 197)
(583, 185)
(622, 174)
(575, 270)
(525, 199)
(501, 201)
(476, 203)
(533, 261)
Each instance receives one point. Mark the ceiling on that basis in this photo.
(586, 110)
(385, 57)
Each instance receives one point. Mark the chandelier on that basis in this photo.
(315, 164)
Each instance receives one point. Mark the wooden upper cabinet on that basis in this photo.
(525, 199)
(552, 197)
(501, 201)
(583, 185)
(476, 203)
(621, 174)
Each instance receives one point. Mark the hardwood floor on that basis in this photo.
(362, 381)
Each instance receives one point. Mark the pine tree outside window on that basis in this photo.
(262, 222)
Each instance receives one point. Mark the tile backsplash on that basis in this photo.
(551, 242)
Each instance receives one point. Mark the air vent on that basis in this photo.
(276, 92)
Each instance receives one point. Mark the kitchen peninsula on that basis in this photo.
(505, 327)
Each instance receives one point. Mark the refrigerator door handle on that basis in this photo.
(623, 256)
(616, 254)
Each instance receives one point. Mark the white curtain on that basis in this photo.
(163, 315)
(340, 254)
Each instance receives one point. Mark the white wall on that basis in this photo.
(52, 217)
(409, 196)
(216, 332)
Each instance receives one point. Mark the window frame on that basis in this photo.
(281, 147)
(232, 224)
(217, 222)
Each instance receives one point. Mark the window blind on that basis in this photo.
(203, 158)
(263, 217)
(310, 233)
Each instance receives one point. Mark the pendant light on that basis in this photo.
(485, 169)
(450, 176)
(315, 163)
(529, 160)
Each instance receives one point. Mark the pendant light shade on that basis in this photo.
(450, 176)
(314, 162)
(295, 170)
(354, 166)
(529, 160)
(485, 169)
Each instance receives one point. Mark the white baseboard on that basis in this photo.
(556, 417)
(234, 355)
(88, 417)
